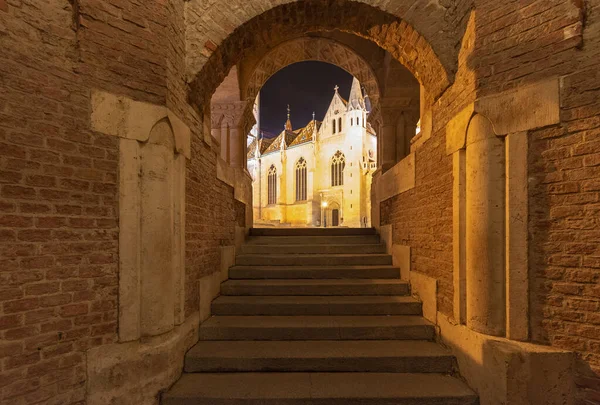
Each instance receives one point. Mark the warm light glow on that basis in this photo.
(324, 204)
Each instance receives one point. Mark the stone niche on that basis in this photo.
(153, 332)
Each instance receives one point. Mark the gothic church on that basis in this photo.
(318, 175)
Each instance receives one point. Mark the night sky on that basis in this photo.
(306, 87)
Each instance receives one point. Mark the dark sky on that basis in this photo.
(306, 87)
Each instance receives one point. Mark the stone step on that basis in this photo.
(311, 231)
(315, 287)
(317, 240)
(397, 327)
(318, 389)
(315, 305)
(313, 260)
(392, 356)
(313, 249)
(315, 272)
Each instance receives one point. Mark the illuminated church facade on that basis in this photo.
(318, 175)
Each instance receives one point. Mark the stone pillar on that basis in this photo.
(225, 142)
(485, 228)
(388, 145)
(236, 146)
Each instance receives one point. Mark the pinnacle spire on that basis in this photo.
(355, 92)
(288, 123)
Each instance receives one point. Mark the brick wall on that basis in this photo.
(564, 207)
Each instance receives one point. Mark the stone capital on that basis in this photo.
(525, 108)
(126, 118)
(230, 113)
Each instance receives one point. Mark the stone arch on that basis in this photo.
(291, 20)
(314, 49)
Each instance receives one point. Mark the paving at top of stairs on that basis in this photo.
(311, 231)
(315, 239)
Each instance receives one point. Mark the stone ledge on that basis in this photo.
(426, 129)
(504, 372)
(523, 109)
(396, 180)
(135, 372)
(124, 117)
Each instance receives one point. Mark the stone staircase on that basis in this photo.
(317, 316)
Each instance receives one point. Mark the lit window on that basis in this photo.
(272, 185)
(301, 180)
(337, 169)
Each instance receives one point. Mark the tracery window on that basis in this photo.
(338, 162)
(272, 185)
(301, 180)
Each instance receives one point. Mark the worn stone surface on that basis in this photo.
(502, 371)
(133, 372)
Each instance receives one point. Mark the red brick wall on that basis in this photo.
(525, 42)
(422, 217)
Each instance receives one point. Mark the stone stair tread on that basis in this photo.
(319, 388)
(314, 267)
(327, 349)
(303, 256)
(320, 282)
(313, 272)
(314, 299)
(312, 249)
(307, 321)
(316, 305)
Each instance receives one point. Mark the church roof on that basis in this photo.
(264, 143)
(305, 134)
(285, 136)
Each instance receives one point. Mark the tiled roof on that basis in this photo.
(305, 134)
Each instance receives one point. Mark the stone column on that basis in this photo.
(485, 228)
(235, 147)
(225, 142)
(388, 144)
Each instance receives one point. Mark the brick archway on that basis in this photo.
(295, 19)
(314, 49)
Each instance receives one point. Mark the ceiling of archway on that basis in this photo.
(315, 49)
(216, 44)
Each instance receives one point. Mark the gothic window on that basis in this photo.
(337, 169)
(333, 129)
(272, 185)
(351, 121)
(340, 124)
(301, 180)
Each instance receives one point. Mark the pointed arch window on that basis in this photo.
(337, 169)
(333, 128)
(272, 185)
(301, 193)
(340, 124)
